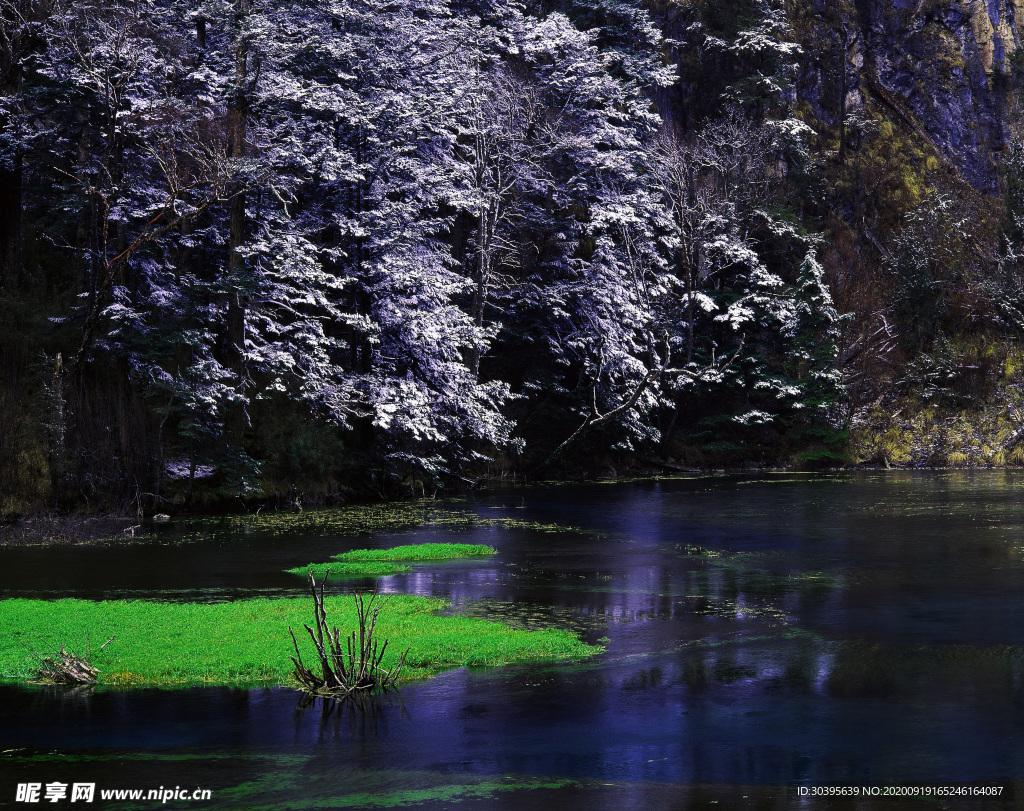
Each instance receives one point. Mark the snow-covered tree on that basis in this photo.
(371, 95)
(403, 227)
(815, 342)
(559, 245)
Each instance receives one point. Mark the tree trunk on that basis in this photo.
(10, 227)
(238, 115)
(485, 258)
(842, 96)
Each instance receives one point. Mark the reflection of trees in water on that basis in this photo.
(960, 673)
(844, 669)
(801, 668)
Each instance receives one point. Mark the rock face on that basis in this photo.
(943, 67)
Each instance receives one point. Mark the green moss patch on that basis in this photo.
(417, 552)
(355, 520)
(378, 562)
(365, 569)
(247, 641)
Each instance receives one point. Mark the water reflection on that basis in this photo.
(855, 628)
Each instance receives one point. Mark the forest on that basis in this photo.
(302, 252)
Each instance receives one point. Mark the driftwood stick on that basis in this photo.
(349, 666)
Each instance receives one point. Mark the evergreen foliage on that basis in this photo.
(298, 247)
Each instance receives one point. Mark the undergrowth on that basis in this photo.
(952, 424)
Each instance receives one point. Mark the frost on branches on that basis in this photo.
(404, 238)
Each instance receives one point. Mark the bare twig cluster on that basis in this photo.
(659, 367)
(64, 666)
(346, 667)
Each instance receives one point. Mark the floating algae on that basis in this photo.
(379, 562)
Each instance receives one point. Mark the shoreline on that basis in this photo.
(54, 528)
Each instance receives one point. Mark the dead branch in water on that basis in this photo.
(350, 668)
(64, 666)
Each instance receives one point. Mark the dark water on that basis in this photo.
(763, 635)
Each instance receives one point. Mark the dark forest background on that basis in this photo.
(307, 251)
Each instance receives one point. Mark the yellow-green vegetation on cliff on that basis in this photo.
(946, 419)
(910, 106)
(178, 644)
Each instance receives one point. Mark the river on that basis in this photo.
(765, 635)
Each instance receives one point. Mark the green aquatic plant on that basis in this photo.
(379, 562)
(247, 641)
(351, 520)
(418, 552)
(277, 782)
(357, 520)
(367, 568)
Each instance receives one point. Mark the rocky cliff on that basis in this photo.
(942, 67)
